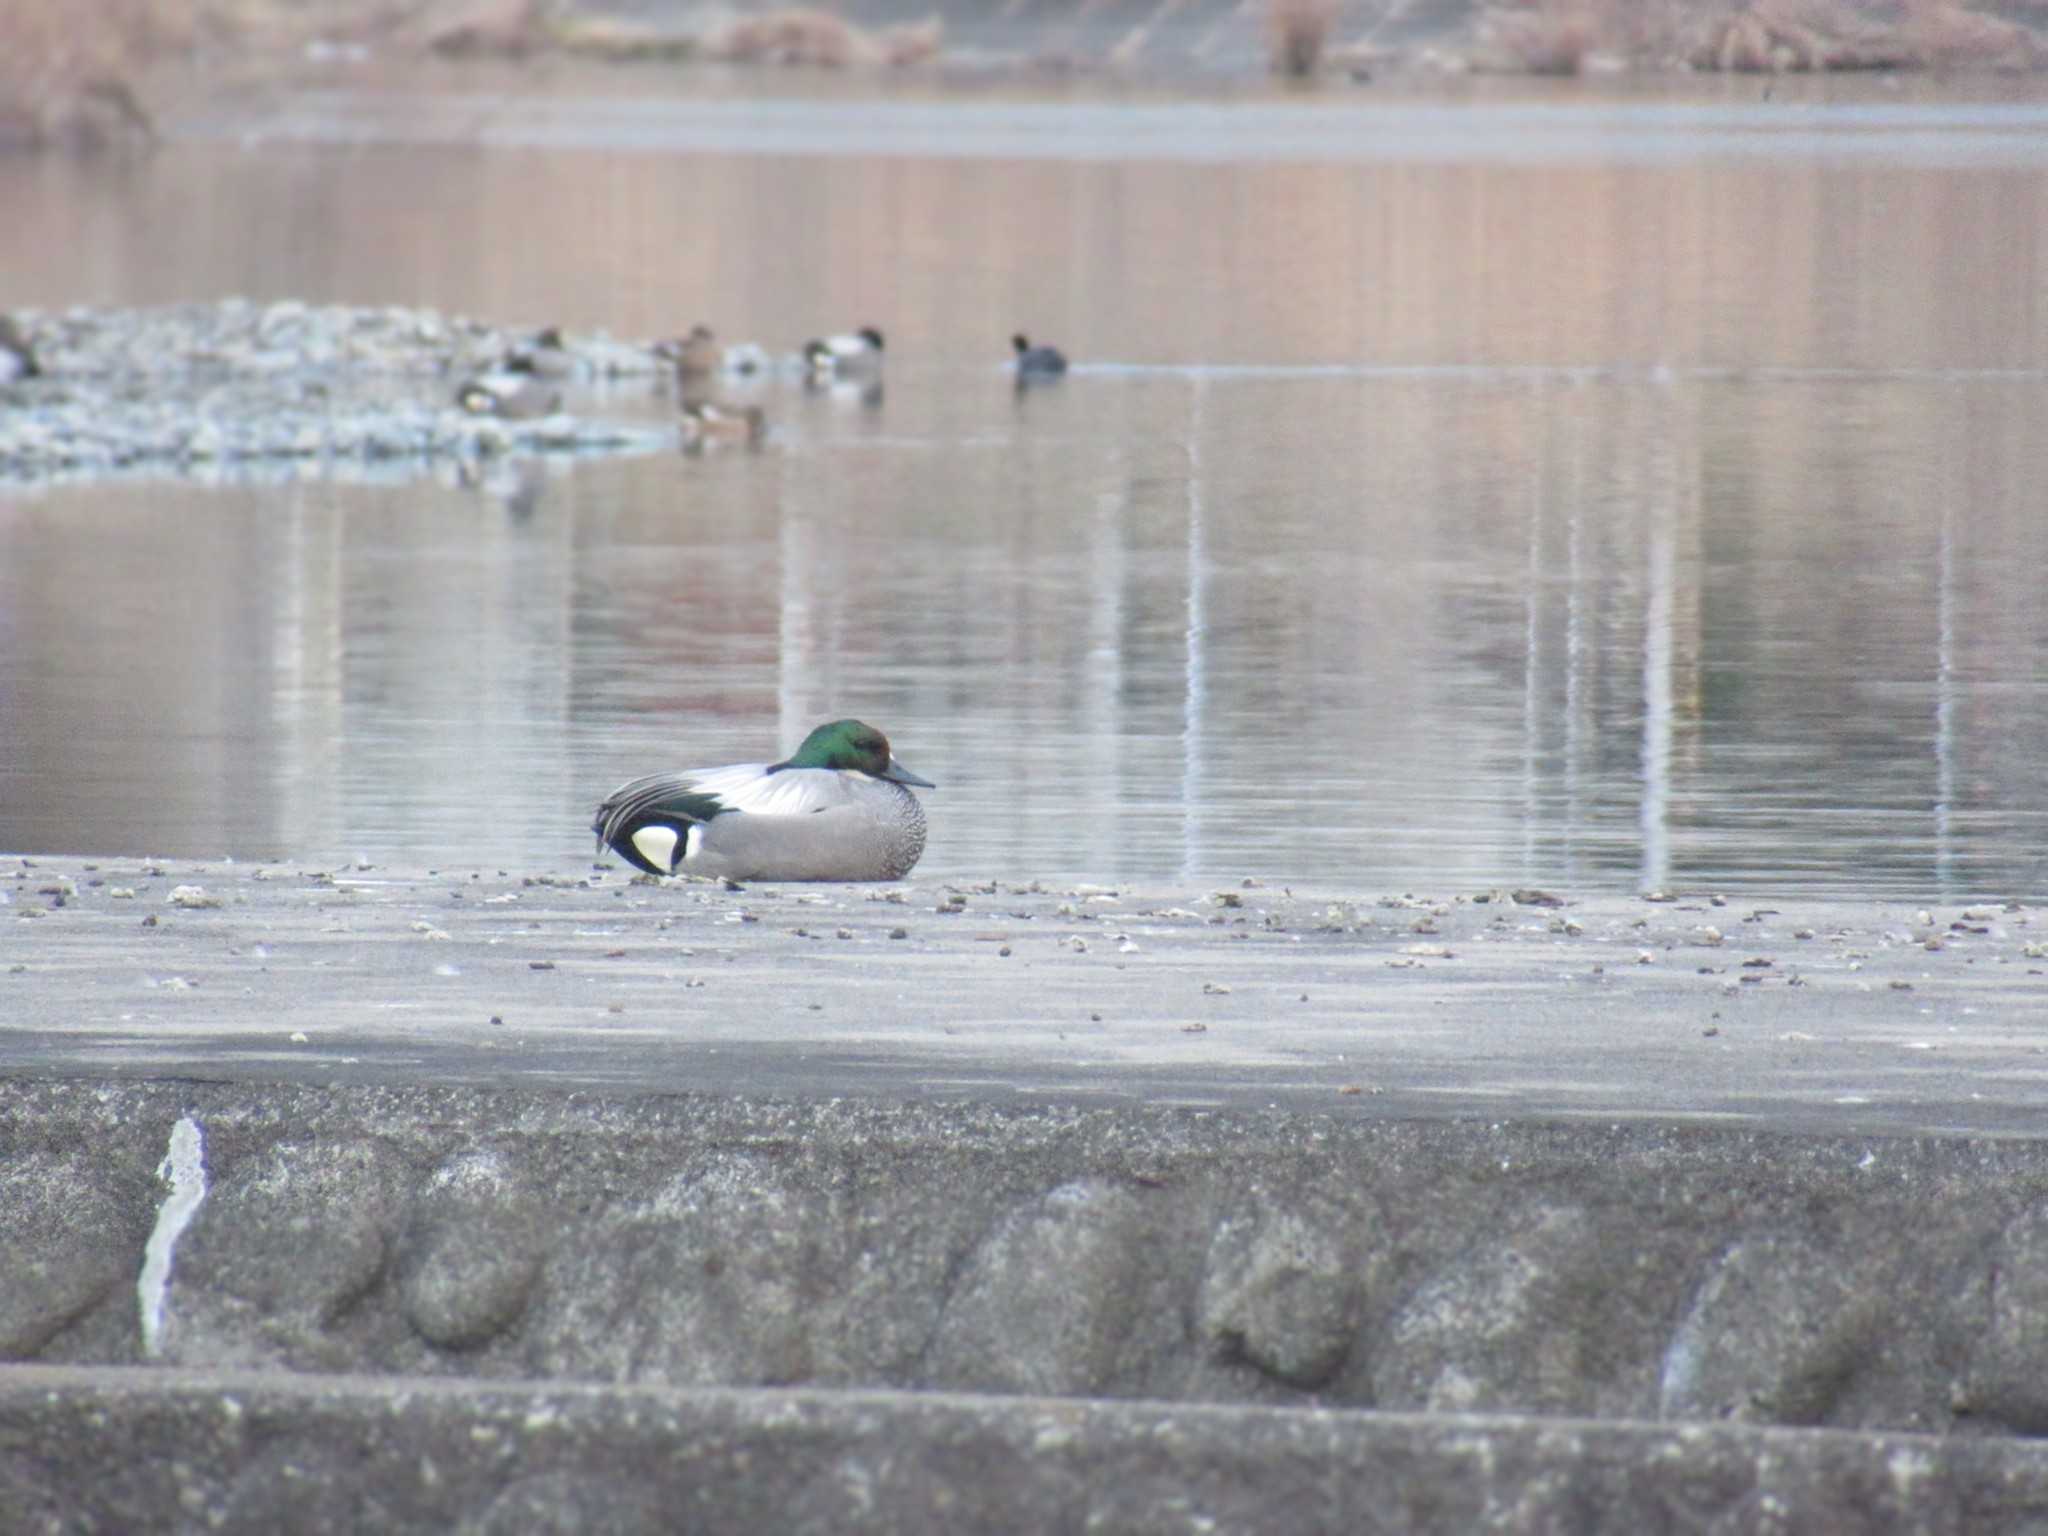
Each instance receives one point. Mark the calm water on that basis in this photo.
(1594, 500)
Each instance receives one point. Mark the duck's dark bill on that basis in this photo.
(902, 775)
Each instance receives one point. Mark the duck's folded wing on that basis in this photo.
(673, 797)
(785, 792)
(698, 794)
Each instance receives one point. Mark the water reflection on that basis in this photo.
(1160, 628)
(1681, 530)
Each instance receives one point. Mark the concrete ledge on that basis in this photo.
(1740, 1168)
(1605, 1271)
(143, 1450)
(1847, 1017)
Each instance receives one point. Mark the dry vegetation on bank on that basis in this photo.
(68, 71)
(75, 72)
(1762, 37)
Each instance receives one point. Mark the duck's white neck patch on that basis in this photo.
(657, 845)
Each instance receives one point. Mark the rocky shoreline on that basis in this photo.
(289, 384)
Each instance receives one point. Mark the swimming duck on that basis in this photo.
(1037, 362)
(510, 392)
(845, 356)
(839, 808)
(708, 425)
(547, 356)
(696, 356)
(17, 355)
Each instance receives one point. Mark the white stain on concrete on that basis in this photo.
(1683, 1362)
(184, 1169)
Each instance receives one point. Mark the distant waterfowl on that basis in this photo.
(1037, 362)
(838, 808)
(707, 424)
(547, 356)
(510, 392)
(697, 355)
(700, 355)
(17, 355)
(845, 356)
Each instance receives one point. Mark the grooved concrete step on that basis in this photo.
(1625, 1272)
(139, 1450)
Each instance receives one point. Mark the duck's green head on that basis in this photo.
(851, 746)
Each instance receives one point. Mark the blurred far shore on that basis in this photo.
(108, 72)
